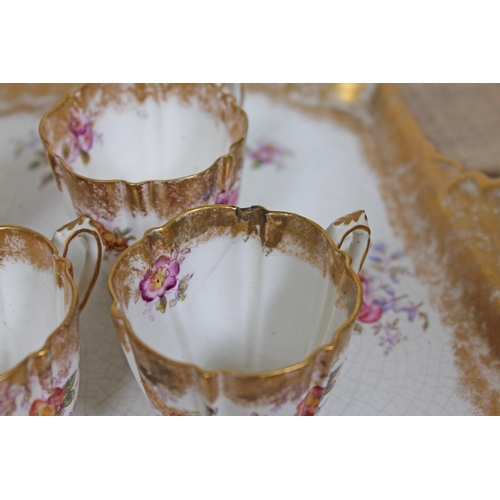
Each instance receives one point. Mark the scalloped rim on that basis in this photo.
(66, 101)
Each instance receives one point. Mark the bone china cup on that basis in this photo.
(133, 156)
(230, 311)
(39, 310)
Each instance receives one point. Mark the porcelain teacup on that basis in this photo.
(39, 310)
(230, 311)
(132, 156)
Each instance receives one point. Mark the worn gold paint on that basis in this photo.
(157, 401)
(296, 96)
(347, 219)
(461, 214)
(277, 231)
(174, 378)
(31, 97)
(23, 244)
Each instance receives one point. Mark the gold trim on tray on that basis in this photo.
(448, 217)
(31, 97)
(450, 221)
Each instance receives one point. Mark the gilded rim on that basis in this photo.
(207, 374)
(71, 95)
(72, 309)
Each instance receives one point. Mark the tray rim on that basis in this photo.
(376, 115)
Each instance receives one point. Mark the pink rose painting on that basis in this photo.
(370, 310)
(55, 404)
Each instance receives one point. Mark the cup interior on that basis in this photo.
(35, 294)
(144, 131)
(242, 296)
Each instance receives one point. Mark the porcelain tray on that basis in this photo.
(420, 347)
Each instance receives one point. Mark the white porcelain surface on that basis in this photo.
(244, 310)
(28, 314)
(156, 141)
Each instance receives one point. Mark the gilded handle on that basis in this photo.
(84, 228)
(356, 226)
(236, 89)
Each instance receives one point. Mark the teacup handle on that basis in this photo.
(357, 224)
(82, 227)
(235, 89)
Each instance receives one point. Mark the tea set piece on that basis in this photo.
(232, 311)
(132, 156)
(39, 333)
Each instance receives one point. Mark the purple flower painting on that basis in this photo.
(228, 197)
(162, 281)
(159, 279)
(81, 140)
(267, 153)
(384, 305)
